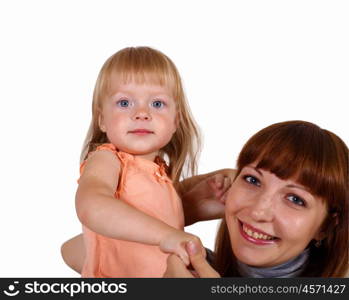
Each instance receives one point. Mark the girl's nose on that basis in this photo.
(262, 209)
(142, 114)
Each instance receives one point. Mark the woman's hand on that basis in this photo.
(176, 241)
(219, 185)
(201, 268)
(205, 201)
(176, 268)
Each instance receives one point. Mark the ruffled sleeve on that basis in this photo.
(108, 147)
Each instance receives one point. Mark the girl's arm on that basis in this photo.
(73, 250)
(101, 212)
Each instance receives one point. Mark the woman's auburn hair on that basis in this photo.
(148, 65)
(317, 159)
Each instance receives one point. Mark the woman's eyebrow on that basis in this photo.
(258, 171)
(254, 168)
(298, 187)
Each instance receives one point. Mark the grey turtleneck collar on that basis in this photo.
(291, 268)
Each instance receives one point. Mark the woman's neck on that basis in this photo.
(291, 268)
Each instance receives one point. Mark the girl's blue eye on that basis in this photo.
(252, 180)
(123, 103)
(157, 104)
(296, 200)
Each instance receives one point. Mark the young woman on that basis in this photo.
(286, 212)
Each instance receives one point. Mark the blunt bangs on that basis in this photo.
(303, 152)
(141, 65)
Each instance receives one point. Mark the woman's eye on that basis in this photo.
(157, 104)
(123, 103)
(296, 200)
(252, 180)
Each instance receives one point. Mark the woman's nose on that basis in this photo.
(262, 209)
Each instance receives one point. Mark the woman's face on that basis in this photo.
(271, 220)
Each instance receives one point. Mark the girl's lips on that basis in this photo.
(254, 240)
(141, 131)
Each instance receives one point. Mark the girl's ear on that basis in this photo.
(101, 122)
(177, 121)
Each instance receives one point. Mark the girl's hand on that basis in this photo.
(206, 200)
(177, 269)
(175, 242)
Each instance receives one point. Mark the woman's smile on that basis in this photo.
(256, 236)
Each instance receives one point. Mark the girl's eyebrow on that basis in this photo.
(118, 93)
(161, 95)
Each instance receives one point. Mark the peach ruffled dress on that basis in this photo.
(144, 185)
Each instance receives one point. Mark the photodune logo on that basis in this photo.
(12, 291)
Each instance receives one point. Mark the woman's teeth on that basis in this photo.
(256, 235)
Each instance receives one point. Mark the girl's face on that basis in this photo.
(139, 119)
(270, 220)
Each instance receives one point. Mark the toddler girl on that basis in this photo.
(126, 200)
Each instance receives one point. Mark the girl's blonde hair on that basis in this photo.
(147, 65)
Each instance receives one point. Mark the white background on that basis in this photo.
(245, 65)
